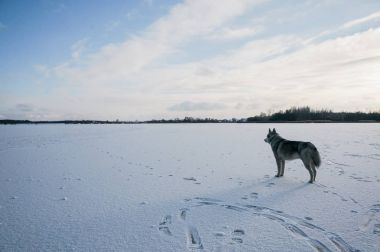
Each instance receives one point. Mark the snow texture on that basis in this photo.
(193, 187)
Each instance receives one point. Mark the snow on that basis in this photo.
(179, 187)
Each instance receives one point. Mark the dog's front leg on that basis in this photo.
(278, 162)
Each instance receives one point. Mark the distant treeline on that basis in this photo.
(176, 120)
(196, 120)
(7, 121)
(305, 114)
(294, 114)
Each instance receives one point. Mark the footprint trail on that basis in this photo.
(294, 225)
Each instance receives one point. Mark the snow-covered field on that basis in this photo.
(186, 187)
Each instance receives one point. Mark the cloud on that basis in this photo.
(196, 106)
(78, 48)
(115, 62)
(337, 72)
(24, 111)
(371, 17)
(234, 33)
(204, 71)
(24, 107)
(136, 79)
(260, 50)
(346, 26)
(42, 70)
(262, 74)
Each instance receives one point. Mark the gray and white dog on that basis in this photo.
(288, 150)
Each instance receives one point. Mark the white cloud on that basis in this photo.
(115, 62)
(194, 18)
(259, 51)
(273, 73)
(347, 26)
(371, 17)
(337, 73)
(24, 107)
(234, 33)
(78, 48)
(196, 106)
(42, 70)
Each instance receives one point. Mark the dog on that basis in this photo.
(288, 150)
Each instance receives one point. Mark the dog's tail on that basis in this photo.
(316, 158)
(315, 155)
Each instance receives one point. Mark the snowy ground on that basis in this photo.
(186, 187)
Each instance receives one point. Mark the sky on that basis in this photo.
(151, 59)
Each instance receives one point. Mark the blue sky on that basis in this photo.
(152, 59)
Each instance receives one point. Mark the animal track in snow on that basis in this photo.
(341, 197)
(294, 225)
(252, 195)
(270, 184)
(238, 232)
(360, 179)
(183, 212)
(163, 225)
(190, 178)
(291, 223)
(372, 222)
(193, 238)
(219, 234)
(371, 156)
(237, 239)
(376, 229)
(236, 236)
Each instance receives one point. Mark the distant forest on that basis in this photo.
(305, 114)
(294, 114)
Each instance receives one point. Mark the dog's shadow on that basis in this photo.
(278, 194)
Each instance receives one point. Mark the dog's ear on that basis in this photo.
(270, 131)
(274, 130)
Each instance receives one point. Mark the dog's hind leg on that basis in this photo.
(282, 165)
(307, 166)
(311, 174)
(312, 166)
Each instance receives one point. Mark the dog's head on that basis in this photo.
(271, 134)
